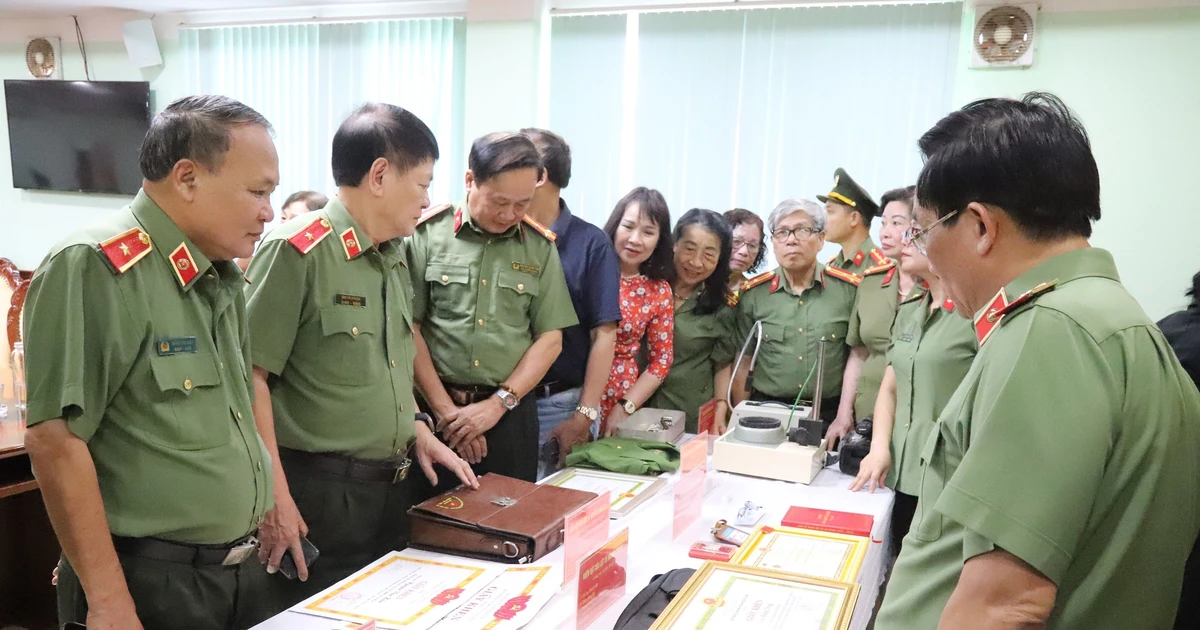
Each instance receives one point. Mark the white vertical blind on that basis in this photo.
(305, 78)
(743, 108)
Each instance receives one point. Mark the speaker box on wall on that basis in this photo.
(140, 43)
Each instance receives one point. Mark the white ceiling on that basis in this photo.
(44, 7)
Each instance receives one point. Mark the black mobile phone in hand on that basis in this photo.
(549, 455)
(287, 566)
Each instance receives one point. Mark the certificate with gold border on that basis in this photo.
(400, 591)
(827, 555)
(626, 491)
(723, 596)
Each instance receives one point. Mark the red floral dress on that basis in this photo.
(647, 312)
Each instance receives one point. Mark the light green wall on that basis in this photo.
(1133, 77)
(501, 76)
(31, 222)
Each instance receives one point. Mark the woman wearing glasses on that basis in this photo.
(801, 304)
(703, 318)
(748, 250)
(878, 297)
(931, 351)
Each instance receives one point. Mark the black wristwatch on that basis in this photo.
(424, 417)
(628, 405)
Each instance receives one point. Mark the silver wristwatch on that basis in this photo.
(508, 398)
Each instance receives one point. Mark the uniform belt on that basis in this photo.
(546, 390)
(390, 471)
(469, 394)
(231, 554)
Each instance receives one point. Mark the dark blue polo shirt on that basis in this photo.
(594, 280)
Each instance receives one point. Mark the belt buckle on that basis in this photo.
(402, 471)
(240, 553)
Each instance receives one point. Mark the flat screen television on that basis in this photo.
(77, 135)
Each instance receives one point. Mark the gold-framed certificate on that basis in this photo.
(826, 555)
(626, 491)
(722, 596)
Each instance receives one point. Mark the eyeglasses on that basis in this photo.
(753, 246)
(783, 235)
(917, 237)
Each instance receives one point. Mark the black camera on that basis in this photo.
(855, 446)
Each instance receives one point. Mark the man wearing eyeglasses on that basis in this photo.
(849, 209)
(1059, 489)
(800, 304)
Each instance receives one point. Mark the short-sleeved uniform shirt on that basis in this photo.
(793, 327)
(593, 275)
(1073, 443)
(871, 326)
(140, 343)
(701, 349)
(331, 320)
(931, 351)
(866, 256)
(481, 298)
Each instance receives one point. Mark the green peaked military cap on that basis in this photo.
(847, 191)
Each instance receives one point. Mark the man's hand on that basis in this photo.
(721, 422)
(574, 431)
(117, 615)
(280, 531)
(430, 451)
(840, 427)
(615, 417)
(873, 470)
(473, 421)
(473, 450)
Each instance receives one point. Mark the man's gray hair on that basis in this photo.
(788, 207)
(194, 128)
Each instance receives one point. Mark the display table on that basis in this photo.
(28, 549)
(651, 550)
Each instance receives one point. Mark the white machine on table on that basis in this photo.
(757, 442)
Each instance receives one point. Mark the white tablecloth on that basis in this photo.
(651, 550)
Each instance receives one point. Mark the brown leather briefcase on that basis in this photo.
(505, 520)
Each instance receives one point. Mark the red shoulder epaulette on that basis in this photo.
(541, 229)
(843, 275)
(757, 280)
(308, 236)
(1027, 297)
(126, 248)
(878, 256)
(433, 212)
(880, 268)
(732, 298)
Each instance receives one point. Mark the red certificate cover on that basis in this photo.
(829, 521)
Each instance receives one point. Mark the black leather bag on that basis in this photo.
(648, 604)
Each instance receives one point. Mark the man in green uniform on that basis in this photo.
(490, 302)
(801, 304)
(141, 430)
(330, 307)
(1059, 486)
(850, 209)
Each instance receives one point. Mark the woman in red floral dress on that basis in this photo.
(640, 228)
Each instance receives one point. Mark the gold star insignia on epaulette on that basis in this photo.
(126, 248)
(310, 235)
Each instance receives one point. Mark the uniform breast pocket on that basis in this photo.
(513, 300)
(352, 341)
(927, 522)
(449, 290)
(771, 334)
(196, 411)
(835, 331)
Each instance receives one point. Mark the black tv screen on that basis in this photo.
(77, 135)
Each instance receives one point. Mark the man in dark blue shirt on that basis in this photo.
(569, 395)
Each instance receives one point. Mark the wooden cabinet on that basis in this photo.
(28, 548)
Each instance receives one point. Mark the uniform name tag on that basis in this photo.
(529, 269)
(349, 300)
(166, 346)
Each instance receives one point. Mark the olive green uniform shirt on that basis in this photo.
(1073, 443)
(793, 326)
(481, 298)
(930, 354)
(334, 325)
(701, 349)
(866, 256)
(871, 326)
(151, 368)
